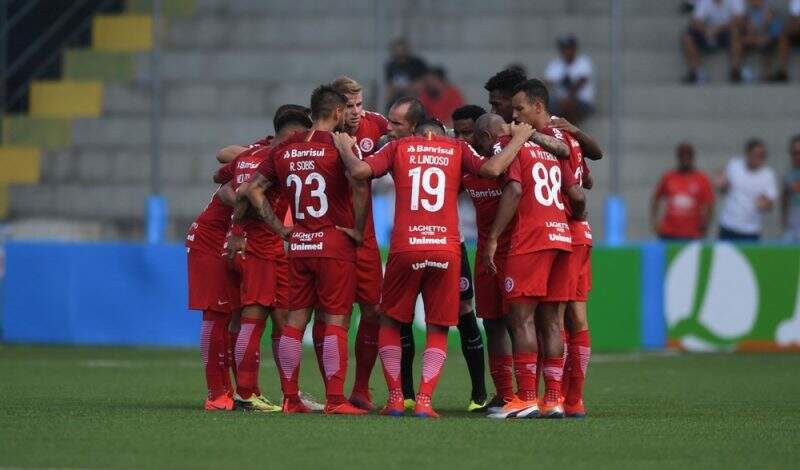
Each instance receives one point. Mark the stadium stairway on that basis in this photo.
(228, 63)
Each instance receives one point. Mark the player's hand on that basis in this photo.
(357, 236)
(488, 255)
(235, 245)
(522, 130)
(343, 141)
(564, 125)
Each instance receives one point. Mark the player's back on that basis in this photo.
(427, 176)
(308, 168)
(541, 220)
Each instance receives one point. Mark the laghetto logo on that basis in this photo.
(711, 297)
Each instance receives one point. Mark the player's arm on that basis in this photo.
(360, 196)
(495, 166)
(588, 182)
(578, 201)
(357, 169)
(509, 201)
(258, 186)
(227, 154)
(227, 195)
(556, 146)
(589, 146)
(786, 195)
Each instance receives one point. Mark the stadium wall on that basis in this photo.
(716, 297)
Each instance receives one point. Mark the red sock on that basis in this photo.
(317, 337)
(501, 368)
(390, 352)
(565, 376)
(212, 350)
(432, 361)
(525, 370)
(275, 337)
(248, 356)
(553, 371)
(232, 337)
(539, 360)
(290, 350)
(334, 358)
(580, 350)
(366, 353)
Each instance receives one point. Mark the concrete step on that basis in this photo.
(206, 132)
(712, 101)
(269, 64)
(310, 7)
(104, 202)
(496, 30)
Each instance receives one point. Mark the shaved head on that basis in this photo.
(488, 128)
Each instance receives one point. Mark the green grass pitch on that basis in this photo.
(142, 408)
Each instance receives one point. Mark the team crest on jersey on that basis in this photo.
(508, 284)
(366, 144)
(463, 284)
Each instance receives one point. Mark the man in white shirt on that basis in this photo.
(715, 25)
(750, 190)
(790, 35)
(570, 80)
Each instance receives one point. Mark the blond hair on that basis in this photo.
(346, 85)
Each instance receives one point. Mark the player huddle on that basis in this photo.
(289, 235)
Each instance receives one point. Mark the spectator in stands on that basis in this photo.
(403, 71)
(570, 79)
(760, 32)
(689, 199)
(790, 35)
(714, 26)
(439, 96)
(750, 191)
(790, 194)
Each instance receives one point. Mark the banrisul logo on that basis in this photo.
(711, 297)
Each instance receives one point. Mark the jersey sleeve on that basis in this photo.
(380, 121)
(514, 172)
(708, 191)
(225, 173)
(471, 162)
(771, 186)
(570, 175)
(382, 160)
(553, 132)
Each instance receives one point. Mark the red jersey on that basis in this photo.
(373, 126)
(541, 218)
(579, 228)
(207, 233)
(686, 193)
(261, 241)
(485, 194)
(313, 180)
(427, 177)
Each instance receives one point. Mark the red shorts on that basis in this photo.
(489, 302)
(582, 270)
(561, 282)
(282, 283)
(369, 274)
(258, 280)
(212, 283)
(327, 283)
(528, 276)
(434, 274)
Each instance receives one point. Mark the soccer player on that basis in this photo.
(471, 339)
(261, 267)
(490, 306)
(501, 88)
(579, 346)
(403, 117)
(329, 211)
(367, 128)
(213, 290)
(537, 262)
(427, 173)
